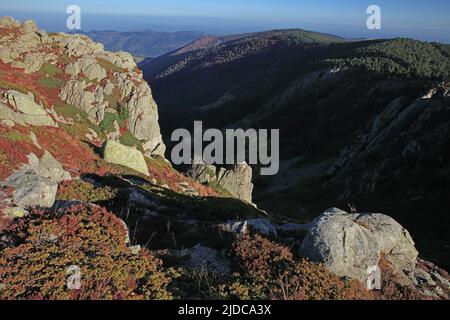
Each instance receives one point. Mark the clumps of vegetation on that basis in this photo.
(15, 135)
(46, 245)
(392, 289)
(69, 111)
(50, 76)
(15, 146)
(16, 79)
(128, 139)
(49, 69)
(269, 271)
(109, 66)
(208, 209)
(70, 152)
(84, 191)
(51, 82)
(303, 36)
(107, 125)
(400, 58)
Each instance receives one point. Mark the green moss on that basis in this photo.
(158, 162)
(128, 139)
(84, 191)
(13, 86)
(15, 136)
(221, 190)
(50, 69)
(107, 125)
(65, 59)
(208, 209)
(108, 65)
(51, 82)
(70, 111)
(123, 113)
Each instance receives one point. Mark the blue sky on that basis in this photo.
(428, 20)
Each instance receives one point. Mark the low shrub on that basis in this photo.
(41, 248)
(269, 271)
(84, 191)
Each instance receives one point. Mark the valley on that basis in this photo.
(362, 123)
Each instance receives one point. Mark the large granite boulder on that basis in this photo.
(351, 244)
(117, 153)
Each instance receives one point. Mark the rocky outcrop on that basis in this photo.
(36, 184)
(143, 119)
(406, 138)
(237, 180)
(98, 82)
(75, 94)
(117, 153)
(20, 50)
(22, 109)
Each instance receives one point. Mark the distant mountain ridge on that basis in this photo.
(146, 43)
(222, 49)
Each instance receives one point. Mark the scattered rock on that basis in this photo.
(73, 93)
(135, 249)
(345, 247)
(187, 189)
(206, 259)
(29, 26)
(262, 226)
(393, 240)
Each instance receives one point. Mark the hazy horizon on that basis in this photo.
(402, 19)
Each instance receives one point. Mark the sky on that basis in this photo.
(425, 20)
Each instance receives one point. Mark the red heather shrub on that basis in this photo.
(163, 172)
(46, 244)
(269, 271)
(15, 146)
(391, 287)
(17, 79)
(70, 152)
